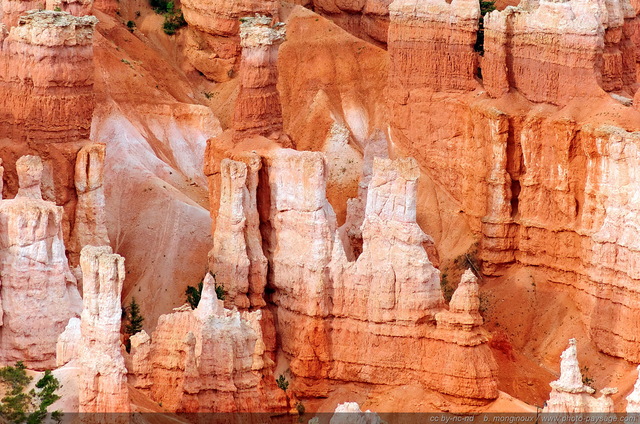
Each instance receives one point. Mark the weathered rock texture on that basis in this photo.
(367, 19)
(541, 185)
(237, 259)
(209, 359)
(46, 77)
(554, 52)
(213, 38)
(570, 395)
(48, 99)
(36, 281)
(257, 108)
(102, 383)
(74, 7)
(68, 343)
(433, 46)
(90, 226)
(335, 325)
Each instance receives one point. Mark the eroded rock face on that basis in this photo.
(48, 99)
(90, 226)
(350, 413)
(237, 259)
(570, 395)
(334, 316)
(257, 108)
(102, 381)
(558, 51)
(633, 400)
(209, 359)
(431, 46)
(213, 44)
(36, 279)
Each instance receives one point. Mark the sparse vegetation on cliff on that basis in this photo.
(193, 294)
(31, 407)
(173, 17)
(133, 318)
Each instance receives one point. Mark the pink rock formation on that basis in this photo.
(431, 46)
(213, 44)
(257, 108)
(633, 400)
(102, 382)
(350, 413)
(237, 259)
(209, 360)
(90, 226)
(462, 321)
(36, 279)
(554, 52)
(74, 7)
(570, 395)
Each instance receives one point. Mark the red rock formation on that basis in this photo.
(102, 383)
(367, 19)
(36, 279)
(257, 108)
(75, 7)
(554, 52)
(213, 44)
(47, 99)
(431, 46)
(47, 102)
(209, 359)
(237, 259)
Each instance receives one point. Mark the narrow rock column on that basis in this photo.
(103, 377)
(90, 227)
(633, 400)
(257, 109)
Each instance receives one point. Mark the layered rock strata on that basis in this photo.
(102, 382)
(367, 19)
(541, 185)
(209, 359)
(213, 38)
(570, 395)
(36, 279)
(554, 52)
(257, 108)
(433, 46)
(46, 77)
(48, 99)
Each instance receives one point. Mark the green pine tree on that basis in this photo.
(134, 317)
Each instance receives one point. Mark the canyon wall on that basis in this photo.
(36, 281)
(543, 180)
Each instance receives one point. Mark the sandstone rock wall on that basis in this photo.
(431, 46)
(102, 382)
(554, 52)
(36, 280)
(213, 38)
